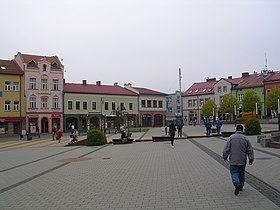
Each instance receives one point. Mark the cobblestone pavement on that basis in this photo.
(142, 175)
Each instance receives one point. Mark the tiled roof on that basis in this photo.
(253, 80)
(146, 91)
(36, 58)
(96, 89)
(200, 88)
(10, 67)
(234, 81)
(273, 76)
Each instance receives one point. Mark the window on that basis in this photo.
(194, 102)
(54, 66)
(32, 104)
(122, 106)
(240, 97)
(169, 110)
(201, 102)
(106, 105)
(7, 106)
(44, 83)
(221, 99)
(32, 83)
(55, 84)
(155, 104)
(44, 67)
(113, 106)
(93, 105)
(16, 105)
(44, 102)
(31, 64)
(160, 104)
(219, 89)
(55, 102)
(78, 105)
(130, 106)
(85, 105)
(149, 103)
(189, 103)
(15, 86)
(224, 88)
(7, 85)
(178, 99)
(70, 105)
(143, 103)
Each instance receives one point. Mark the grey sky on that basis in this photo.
(145, 42)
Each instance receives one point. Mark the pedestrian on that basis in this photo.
(59, 135)
(179, 129)
(53, 132)
(218, 126)
(75, 135)
(208, 126)
(238, 147)
(72, 128)
(172, 130)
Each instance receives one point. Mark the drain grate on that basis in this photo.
(106, 158)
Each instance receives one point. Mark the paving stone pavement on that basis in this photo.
(142, 175)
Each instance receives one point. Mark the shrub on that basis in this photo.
(95, 138)
(252, 127)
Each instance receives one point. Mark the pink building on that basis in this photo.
(43, 76)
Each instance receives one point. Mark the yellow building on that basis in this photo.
(12, 100)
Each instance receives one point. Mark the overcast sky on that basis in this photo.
(145, 42)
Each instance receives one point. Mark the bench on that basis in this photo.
(160, 138)
(122, 141)
(227, 133)
(265, 141)
(213, 130)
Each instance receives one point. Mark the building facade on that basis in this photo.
(90, 106)
(194, 99)
(12, 101)
(174, 108)
(43, 76)
(152, 106)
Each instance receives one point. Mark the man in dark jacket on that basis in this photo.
(172, 131)
(238, 147)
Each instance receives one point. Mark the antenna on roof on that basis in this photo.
(180, 80)
(265, 62)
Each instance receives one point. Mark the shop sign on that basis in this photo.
(56, 115)
(10, 119)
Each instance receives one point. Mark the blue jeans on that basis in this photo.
(237, 174)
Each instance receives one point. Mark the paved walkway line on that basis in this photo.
(45, 172)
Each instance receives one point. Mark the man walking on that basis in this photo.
(172, 131)
(238, 147)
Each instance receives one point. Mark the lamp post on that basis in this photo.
(278, 113)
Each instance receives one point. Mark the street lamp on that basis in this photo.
(278, 114)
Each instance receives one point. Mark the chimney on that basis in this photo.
(229, 77)
(245, 74)
(115, 83)
(210, 79)
(84, 82)
(98, 83)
